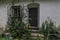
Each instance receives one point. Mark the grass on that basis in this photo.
(14, 39)
(2, 38)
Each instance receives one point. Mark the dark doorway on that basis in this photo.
(33, 16)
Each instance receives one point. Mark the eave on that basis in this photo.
(10, 1)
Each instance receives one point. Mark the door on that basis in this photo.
(33, 17)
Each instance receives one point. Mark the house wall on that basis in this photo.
(46, 9)
(3, 15)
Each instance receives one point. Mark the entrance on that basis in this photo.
(33, 16)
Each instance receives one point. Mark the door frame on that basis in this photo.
(34, 5)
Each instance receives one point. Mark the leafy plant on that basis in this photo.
(48, 27)
(17, 28)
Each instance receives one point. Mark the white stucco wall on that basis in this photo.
(51, 9)
(3, 15)
(47, 8)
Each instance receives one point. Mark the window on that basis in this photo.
(16, 13)
(16, 10)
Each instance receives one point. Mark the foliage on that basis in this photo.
(58, 29)
(17, 28)
(47, 27)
